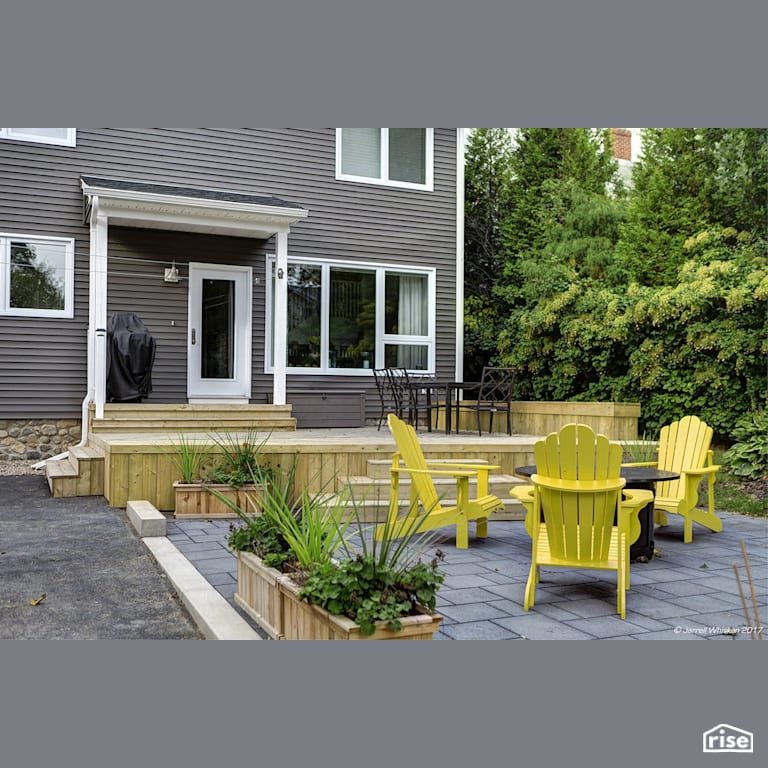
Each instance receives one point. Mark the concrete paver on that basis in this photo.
(671, 597)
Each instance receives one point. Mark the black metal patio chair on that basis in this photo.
(407, 391)
(493, 393)
(386, 393)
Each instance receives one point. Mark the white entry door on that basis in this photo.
(219, 334)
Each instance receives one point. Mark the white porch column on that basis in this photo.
(97, 311)
(460, 139)
(281, 317)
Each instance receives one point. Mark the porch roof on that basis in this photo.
(191, 209)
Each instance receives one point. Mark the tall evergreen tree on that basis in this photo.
(687, 180)
(486, 205)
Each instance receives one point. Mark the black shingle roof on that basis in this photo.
(192, 192)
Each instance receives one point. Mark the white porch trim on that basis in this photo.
(460, 140)
(157, 206)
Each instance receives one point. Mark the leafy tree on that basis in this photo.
(659, 296)
(700, 345)
(542, 155)
(561, 338)
(486, 205)
(687, 180)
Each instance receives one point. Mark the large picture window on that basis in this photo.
(36, 276)
(64, 137)
(344, 318)
(401, 157)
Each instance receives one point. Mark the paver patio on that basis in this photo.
(687, 592)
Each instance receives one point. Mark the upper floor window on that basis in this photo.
(398, 157)
(36, 276)
(63, 136)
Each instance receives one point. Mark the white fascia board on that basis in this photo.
(111, 198)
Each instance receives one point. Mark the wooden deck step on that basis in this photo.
(183, 417)
(184, 424)
(79, 474)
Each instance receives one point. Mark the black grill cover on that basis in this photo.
(130, 357)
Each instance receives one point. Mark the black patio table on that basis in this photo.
(644, 478)
(448, 389)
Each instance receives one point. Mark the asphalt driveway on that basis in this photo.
(73, 569)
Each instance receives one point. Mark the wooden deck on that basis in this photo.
(137, 465)
(127, 457)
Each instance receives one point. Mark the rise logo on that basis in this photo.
(728, 738)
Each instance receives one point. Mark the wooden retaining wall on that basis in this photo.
(616, 420)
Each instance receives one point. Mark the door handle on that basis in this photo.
(194, 336)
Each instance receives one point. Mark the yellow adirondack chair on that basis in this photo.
(424, 499)
(578, 514)
(684, 448)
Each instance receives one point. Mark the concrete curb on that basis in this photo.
(214, 616)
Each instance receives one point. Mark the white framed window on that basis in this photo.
(396, 157)
(64, 137)
(347, 318)
(36, 276)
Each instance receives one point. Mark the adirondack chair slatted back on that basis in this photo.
(683, 445)
(409, 448)
(579, 522)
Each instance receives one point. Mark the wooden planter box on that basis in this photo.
(194, 500)
(271, 599)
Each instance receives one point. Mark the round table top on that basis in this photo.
(630, 474)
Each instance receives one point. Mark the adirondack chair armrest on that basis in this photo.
(522, 492)
(431, 472)
(556, 484)
(526, 495)
(470, 466)
(711, 470)
(640, 464)
(635, 499)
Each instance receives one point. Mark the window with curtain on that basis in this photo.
(393, 156)
(349, 318)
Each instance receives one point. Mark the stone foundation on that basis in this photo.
(35, 439)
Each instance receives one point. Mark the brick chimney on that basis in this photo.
(622, 143)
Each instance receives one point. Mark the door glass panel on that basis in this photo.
(217, 337)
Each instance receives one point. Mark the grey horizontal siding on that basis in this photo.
(137, 286)
(43, 361)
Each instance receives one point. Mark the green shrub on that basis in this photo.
(241, 461)
(748, 456)
(366, 591)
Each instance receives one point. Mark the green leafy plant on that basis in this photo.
(263, 538)
(242, 459)
(297, 531)
(189, 458)
(748, 456)
(303, 533)
(381, 579)
(367, 592)
(313, 526)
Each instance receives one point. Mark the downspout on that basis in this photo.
(89, 396)
(459, 254)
